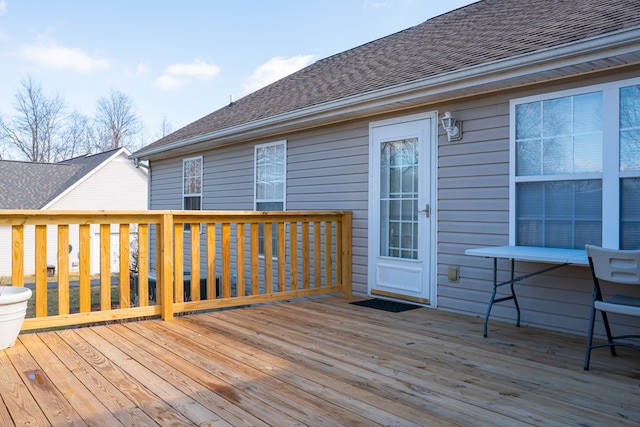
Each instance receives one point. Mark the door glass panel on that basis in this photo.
(399, 199)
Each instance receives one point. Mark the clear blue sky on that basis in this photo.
(183, 59)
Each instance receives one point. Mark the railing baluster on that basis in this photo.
(293, 258)
(317, 254)
(255, 259)
(178, 264)
(306, 262)
(125, 260)
(195, 262)
(226, 260)
(85, 268)
(105, 266)
(143, 265)
(282, 275)
(268, 258)
(63, 269)
(211, 262)
(240, 260)
(159, 255)
(328, 250)
(41, 270)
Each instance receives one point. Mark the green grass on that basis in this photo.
(74, 300)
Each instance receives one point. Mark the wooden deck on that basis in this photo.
(314, 362)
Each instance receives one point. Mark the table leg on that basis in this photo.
(511, 282)
(493, 294)
(513, 292)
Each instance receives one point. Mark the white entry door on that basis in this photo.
(401, 214)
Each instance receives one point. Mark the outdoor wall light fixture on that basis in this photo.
(452, 126)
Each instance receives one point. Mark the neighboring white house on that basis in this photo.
(105, 181)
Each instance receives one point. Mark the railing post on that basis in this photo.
(347, 219)
(165, 279)
(17, 255)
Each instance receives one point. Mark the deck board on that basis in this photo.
(320, 362)
(69, 352)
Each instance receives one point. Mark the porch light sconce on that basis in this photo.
(452, 126)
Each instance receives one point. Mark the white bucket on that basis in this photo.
(13, 308)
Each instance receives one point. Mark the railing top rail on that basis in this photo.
(38, 217)
(252, 216)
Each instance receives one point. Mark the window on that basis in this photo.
(575, 169)
(270, 177)
(192, 185)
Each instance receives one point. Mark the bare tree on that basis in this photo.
(79, 136)
(116, 120)
(165, 127)
(34, 131)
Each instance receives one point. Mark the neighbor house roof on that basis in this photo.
(428, 55)
(26, 185)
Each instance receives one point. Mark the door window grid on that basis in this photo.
(399, 199)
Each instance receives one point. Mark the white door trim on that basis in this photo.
(373, 208)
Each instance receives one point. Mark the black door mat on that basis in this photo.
(381, 304)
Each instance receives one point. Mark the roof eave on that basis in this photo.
(617, 48)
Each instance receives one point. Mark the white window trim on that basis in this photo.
(255, 179)
(255, 175)
(185, 160)
(610, 158)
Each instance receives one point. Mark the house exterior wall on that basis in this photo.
(473, 211)
(327, 168)
(117, 185)
(29, 249)
(5, 254)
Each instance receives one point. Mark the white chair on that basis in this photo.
(617, 266)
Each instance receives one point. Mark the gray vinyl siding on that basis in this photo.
(228, 178)
(327, 169)
(473, 211)
(473, 201)
(166, 181)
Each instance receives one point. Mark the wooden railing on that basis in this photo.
(159, 263)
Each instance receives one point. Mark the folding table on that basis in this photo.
(558, 257)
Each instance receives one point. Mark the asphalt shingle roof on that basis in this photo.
(26, 185)
(482, 32)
